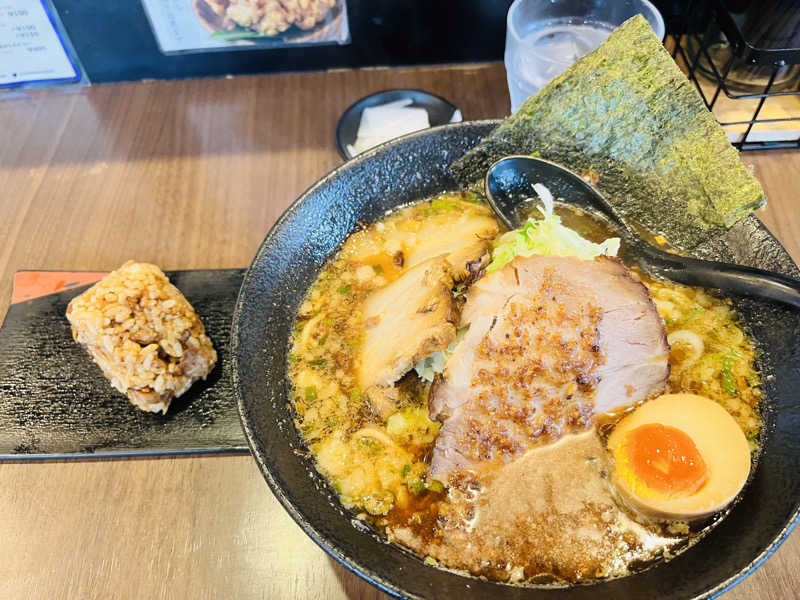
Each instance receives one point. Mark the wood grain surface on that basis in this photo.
(191, 174)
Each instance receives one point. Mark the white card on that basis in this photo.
(30, 47)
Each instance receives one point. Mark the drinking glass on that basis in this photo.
(544, 37)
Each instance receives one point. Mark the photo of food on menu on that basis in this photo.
(208, 25)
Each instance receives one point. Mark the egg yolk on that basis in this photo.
(665, 459)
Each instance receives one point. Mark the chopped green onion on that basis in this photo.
(753, 380)
(355, 394)
(442, 205)
(691, 315)
(311, 393)
(344, 289)
(323, 339)
(320, 363)
(406, 470)
(436, 486)
(728, 383)
(378, 269)
(416, 486)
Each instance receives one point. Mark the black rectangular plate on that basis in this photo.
(55, 402)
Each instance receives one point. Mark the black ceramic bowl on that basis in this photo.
(409, 169)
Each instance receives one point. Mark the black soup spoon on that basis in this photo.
(509, 189)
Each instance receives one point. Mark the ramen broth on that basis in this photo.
(376, 453)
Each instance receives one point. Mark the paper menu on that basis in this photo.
(181, 26)
(31, 49)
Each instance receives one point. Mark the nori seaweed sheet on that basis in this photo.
(627, 112)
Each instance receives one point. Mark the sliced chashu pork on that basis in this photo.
(462, 240)
(462, 235)
(549, 512)
(405, 321)
(552, 341)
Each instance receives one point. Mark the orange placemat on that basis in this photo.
(34, 284)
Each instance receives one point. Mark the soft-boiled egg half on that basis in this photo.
(679, 457)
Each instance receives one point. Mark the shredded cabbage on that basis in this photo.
(547, 237)
(435, 362)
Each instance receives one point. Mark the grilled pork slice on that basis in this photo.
(382, 401)
(406, 321)
(549, 512)
(552, 341)
(461, 240)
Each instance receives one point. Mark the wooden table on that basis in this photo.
(191, 174)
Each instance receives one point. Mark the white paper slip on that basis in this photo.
(387, 121)
(31, 49)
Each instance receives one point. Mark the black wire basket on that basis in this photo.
(745, 55)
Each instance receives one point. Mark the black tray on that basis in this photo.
(55, 402)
